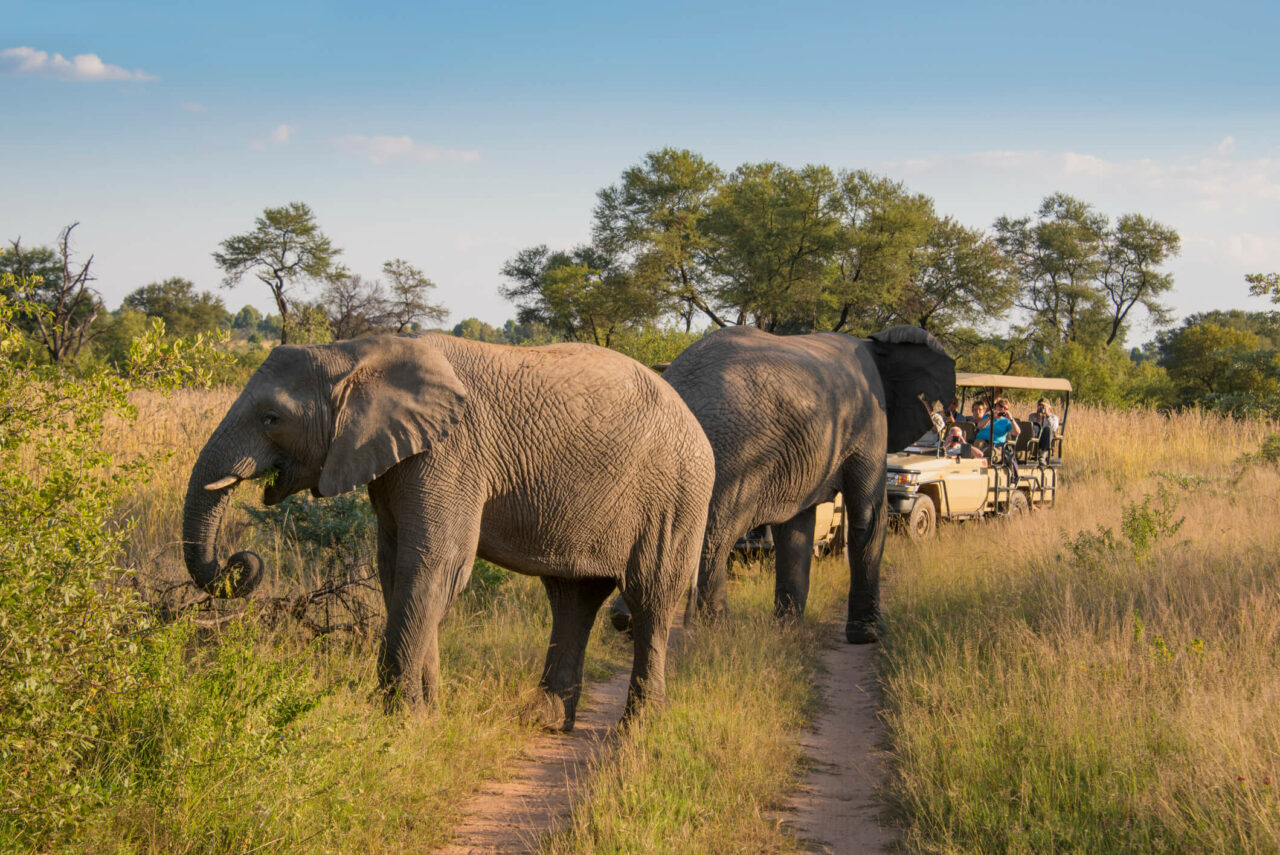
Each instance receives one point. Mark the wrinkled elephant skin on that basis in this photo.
(568, 462)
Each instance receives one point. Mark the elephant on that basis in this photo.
(569, 462)
(793, 420)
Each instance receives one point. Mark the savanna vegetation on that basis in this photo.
(1098, 677)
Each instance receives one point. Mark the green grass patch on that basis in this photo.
(703, 773)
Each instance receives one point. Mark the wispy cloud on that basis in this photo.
(193, 107)
(279, 136)
(1217, 182)
(383, 150)
(85, 67)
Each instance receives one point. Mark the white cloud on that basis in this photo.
(1227, 147)
(80, 68)
(383, 150)
(1246, 250)
(1209, 183)
(279, 136)
(193, 107)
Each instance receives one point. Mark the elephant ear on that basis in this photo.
(912, 364)
(401, 396)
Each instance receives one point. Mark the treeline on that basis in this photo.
(679, 245)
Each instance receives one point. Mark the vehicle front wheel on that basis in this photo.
(923, 519)
(1019, 504)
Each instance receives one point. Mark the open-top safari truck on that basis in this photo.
(926, 484)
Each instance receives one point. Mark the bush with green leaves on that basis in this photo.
(70, 632)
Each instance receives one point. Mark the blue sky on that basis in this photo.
(454, 137)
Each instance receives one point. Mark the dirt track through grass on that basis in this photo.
(513, 816)
(838, 808)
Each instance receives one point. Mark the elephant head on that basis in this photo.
(912, 365)
(325, 418)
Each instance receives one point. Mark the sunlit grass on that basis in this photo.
(1044, 698)
(704, 773)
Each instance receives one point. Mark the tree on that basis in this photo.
(285, 248)
(959, 278)
(176, 302)
(60, 288)
(355, 306)
(1264, 285)
(247, 318)
(771, 234)
(652, 222)
(1131, 253)
(580, 295)
(1057, 258)
(882, 227)
(406, 302)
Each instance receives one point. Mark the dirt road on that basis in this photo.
(838, 809)
(512, 816)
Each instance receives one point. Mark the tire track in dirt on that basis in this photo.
(513, 816)
(838, 808)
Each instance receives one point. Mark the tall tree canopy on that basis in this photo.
(653, 221)
(285, 249)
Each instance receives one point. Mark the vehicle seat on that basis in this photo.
(969, 429)
(1027, 444)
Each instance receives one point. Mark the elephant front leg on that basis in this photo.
(793, 555)
(574, 604)
(865, 505)
(409, 664)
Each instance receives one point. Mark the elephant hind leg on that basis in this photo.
(793, 557)
(574, 604)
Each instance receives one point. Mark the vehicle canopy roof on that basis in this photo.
(1010, 381)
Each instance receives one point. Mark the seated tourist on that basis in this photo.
(955, 445)
(997, 430)
(1045, 424)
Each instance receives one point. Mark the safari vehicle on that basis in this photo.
(828, 532)
(925, 485)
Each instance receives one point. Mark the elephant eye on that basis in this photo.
(270, 419)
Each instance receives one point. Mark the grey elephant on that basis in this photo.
(792, 421)
(569, 462)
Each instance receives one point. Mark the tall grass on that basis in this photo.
(1098, 678)
(704, 773)
(256, 736)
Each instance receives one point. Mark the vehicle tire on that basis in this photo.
(1019, 505)
(922, 520)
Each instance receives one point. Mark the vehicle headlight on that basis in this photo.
(902, 479)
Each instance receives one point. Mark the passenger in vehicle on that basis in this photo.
(1045, 423)
(952, 413)
(998, 429)
(978, 411)
(955, 445)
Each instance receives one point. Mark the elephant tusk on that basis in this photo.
(222, 483)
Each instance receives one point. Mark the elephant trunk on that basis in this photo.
(201, 519)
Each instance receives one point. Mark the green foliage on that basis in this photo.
(70, 631)
(652, 346)
(1226, 361)
(175, 301)
(337, 532)
(1142, 525)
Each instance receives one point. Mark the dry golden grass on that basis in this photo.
(1045, 692)
(1049, 698)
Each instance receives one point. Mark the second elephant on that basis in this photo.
(792, 421)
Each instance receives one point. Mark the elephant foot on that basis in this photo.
(547, 711)
(862, 631)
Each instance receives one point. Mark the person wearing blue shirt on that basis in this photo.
(998, 429)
